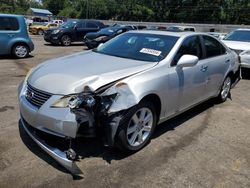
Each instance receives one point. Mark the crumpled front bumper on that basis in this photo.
(55, 153)
(60, 122)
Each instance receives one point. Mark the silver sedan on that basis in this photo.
(124, 88)
(239, 41)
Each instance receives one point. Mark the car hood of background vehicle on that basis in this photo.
(70, 74)
(237, 45)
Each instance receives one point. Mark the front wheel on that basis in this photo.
(136, 127)
(66, 40)
(225, 90)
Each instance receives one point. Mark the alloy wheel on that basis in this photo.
(21, 51)
(140, 126)
(66, 40)
(226, 88)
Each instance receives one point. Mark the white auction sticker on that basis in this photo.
(150, 51)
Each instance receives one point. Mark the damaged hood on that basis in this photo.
(70, 74)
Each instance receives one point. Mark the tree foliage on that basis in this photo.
(186, 11)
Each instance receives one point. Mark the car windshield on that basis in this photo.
(239, 35)
(139, 46)
(69, 24)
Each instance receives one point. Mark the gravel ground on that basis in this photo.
(208, 146)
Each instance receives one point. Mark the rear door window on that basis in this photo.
(213, 47)
(8, 24)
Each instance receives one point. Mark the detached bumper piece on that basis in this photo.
(55, 153)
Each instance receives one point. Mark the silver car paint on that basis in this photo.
(178, 88)
(70, 74)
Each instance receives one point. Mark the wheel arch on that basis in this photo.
(156, 101)
(19, 42)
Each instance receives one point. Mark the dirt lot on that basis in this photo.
(208, 146)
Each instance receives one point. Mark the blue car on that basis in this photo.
(14, 37)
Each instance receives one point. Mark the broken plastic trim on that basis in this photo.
(55, 153)
(125, 97)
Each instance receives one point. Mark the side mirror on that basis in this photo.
(188, 61)
(75, 27)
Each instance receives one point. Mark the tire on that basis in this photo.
(89, 46)
(20, 50)
(225, 90)
(66, 40)
(40, 32)
(133, 133)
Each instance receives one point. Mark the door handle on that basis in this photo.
(227, 61)
(204, 68)
(11, 35)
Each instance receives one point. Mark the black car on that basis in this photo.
(93, 39)
(72, 31)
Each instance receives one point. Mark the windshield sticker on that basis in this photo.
(150, 51)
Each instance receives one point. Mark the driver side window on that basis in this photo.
(190, 46)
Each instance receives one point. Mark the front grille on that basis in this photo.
(36, 96)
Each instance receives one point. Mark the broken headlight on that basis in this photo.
(108, 100)
(75, 101)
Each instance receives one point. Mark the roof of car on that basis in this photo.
(10, 15)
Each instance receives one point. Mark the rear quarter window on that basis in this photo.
(8, 24)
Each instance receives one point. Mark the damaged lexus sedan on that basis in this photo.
(124, 88)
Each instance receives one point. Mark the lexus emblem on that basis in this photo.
(29, 94)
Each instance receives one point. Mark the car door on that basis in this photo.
(218, 62)
(9, 29)
(91, 27)
(80, 30)
(187, 85)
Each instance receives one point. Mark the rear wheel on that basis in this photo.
(66, 40)
(136, 127)
(20, 50)
(225, 89)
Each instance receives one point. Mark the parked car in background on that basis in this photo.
(39, 29)
(14, 37)
(28, 21)
(162, 28)
(38, 19)
(60, 22)
(72, 31)
(220, 36)
(177, 28)
(123, 89)
(93, 39)
(239, 41)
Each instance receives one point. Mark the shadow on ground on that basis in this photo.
(245, 73)
(93, 147)
(58, 45)
(9, 57)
